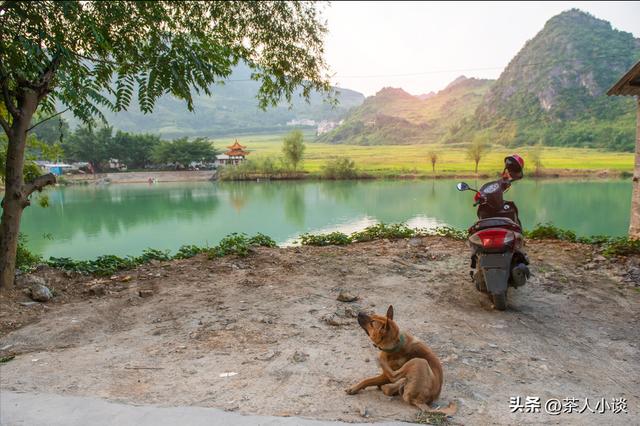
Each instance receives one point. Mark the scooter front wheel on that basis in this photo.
(500, 300)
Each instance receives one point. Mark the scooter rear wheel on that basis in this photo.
(500, 300)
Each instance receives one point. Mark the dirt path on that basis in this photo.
(273, 319)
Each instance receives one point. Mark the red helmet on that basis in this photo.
(515, 165)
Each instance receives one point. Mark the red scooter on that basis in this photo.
(498, 260)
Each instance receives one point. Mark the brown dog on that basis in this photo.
(409, 367)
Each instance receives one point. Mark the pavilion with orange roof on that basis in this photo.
(235, 155)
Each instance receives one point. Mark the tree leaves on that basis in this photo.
(182, 152)
(153, 48)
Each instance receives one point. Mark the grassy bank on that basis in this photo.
(241, 245)
(412, 160)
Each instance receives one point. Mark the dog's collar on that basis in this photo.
(397, 347)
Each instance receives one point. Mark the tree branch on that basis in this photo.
(38, 184)
(47, 76)
(7, 96)
(48, 118)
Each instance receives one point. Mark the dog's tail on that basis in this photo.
(449, 410)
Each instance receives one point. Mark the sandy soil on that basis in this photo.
(273, 319)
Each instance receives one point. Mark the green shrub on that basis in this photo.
(110, 264)
(232, 244)
(103, 265)
(622, 246)
(340, 168)
(449, 232)
(266, 167)
(188, 251)
(239, 244)
(261, 240)
(332, 239)
(153, 254)
(381, 231)
(25, 260)
(548, 231)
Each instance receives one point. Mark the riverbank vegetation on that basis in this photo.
(233, 244)
(241, 245)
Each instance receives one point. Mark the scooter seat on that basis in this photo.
(494, 222)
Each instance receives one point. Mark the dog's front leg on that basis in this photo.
(371, 381)
(392, 376)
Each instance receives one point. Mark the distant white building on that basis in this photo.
(301, 122)
(327, 126)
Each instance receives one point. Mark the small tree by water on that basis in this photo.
(293, 148)
(535, 157)
(477, 149)
(433, 157)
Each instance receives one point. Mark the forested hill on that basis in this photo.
(393, 116)
(553, 91)
(231, 110)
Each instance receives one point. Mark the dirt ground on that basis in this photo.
(265, 334)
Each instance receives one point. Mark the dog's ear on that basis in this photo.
(390, 312)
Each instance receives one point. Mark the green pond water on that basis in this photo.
(83, 222)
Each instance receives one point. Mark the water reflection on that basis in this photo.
(294, 204)
(125, 219)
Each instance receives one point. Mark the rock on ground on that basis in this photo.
(40, 293)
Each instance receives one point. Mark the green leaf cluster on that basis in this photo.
(233, 244)
(182, 152)
(293, 148)
(103, 55)
(340, 168)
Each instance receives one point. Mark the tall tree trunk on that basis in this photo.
(634, 227)
(477, 161)
(15, 199)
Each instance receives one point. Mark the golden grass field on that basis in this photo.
(413, 159)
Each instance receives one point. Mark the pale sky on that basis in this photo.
(371, 45)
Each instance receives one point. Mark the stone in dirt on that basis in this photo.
(348, 311)
(415, 242)
(40, 293)
(97, 290)
(333, 320)
(28, 280)
(364, 411)
(300, 356)
(145, 293)
(345, 296)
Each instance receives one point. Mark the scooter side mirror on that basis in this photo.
(462, 186)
